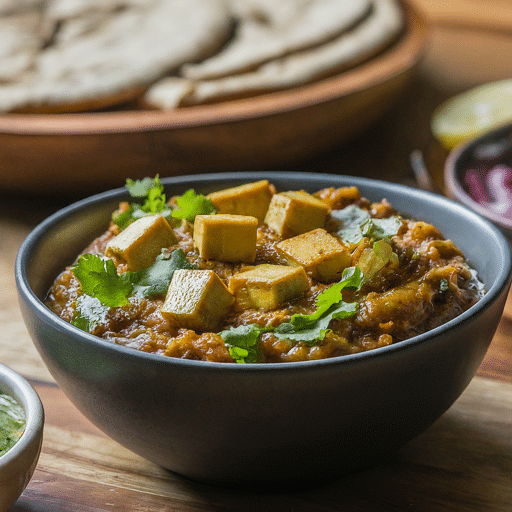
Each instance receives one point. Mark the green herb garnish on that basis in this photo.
(102, 287)
(330, 305)
(443, 285)
(152, 191)
(191, 204)
(357, 223)
(243, 341)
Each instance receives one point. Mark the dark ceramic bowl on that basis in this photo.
(227, 423)
(479, 175)
(17, 465)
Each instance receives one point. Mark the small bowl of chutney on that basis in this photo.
(21, 434)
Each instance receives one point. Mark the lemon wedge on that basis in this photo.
(472, 113)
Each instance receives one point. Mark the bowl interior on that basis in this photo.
(479, 175)
(57, 241)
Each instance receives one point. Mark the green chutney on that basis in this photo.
(12, 422)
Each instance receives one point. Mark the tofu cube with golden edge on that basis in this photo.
(250, 199)
(141, 242)
(295, 212)
(322, 255)
(223, 237)
(267, 286)
(197, 300)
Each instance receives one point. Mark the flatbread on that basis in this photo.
(361, 43)
(269, 29)
(21, 42)
(101, 55)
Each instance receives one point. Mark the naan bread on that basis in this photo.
(357, 45)
(269, 29)
(100, 56)
(21, 41)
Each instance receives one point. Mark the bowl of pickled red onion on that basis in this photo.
(478, 174)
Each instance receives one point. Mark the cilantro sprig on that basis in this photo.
(151, 191)
(102, 287)
(154, 201)
(242, 341)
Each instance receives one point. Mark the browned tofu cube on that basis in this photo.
(197, 299)
(141, 242)
(323, 256)
(295, 212)
(250, 199)
(226, 237)
(267, 286)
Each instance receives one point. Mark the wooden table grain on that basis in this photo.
(461, 463)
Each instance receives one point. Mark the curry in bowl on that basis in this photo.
(250, 274)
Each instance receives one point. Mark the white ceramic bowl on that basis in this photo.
(18, 464)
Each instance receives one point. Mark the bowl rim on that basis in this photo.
(13, 384)
(451, 171)
(501, 283)
(402, 54)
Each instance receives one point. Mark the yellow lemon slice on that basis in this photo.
(472, 113)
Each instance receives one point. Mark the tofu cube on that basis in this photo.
(197, 300)
(295, 212)
(322, 255)
(250, 199)
(141, 242)
(229, 238)
(267, 286)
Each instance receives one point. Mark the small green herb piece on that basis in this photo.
(242, 342)
(191, 204)
(443, 285)
(152, 191)
(357, 223)
(102, 287)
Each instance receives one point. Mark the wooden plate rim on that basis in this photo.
(404, 54)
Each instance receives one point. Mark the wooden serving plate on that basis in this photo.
(95, 151)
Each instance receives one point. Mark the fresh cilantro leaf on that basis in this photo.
(381, 229)
(99, 279)
(330, 305)
(351, 279)
(242, 342)
(351, 219)
(152, 191)
(156, 279)
(191, 204)
(317, 330)
(88, 313)
(357, 223)
(102, 287)
(140, 188)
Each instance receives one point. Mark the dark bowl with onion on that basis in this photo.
(478, 173)
(261, 423)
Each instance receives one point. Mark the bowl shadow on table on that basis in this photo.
(449, 463)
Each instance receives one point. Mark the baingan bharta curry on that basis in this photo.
(252, 275)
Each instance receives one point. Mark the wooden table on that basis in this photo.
(461, 463)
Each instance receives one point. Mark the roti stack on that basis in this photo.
(80, 55)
